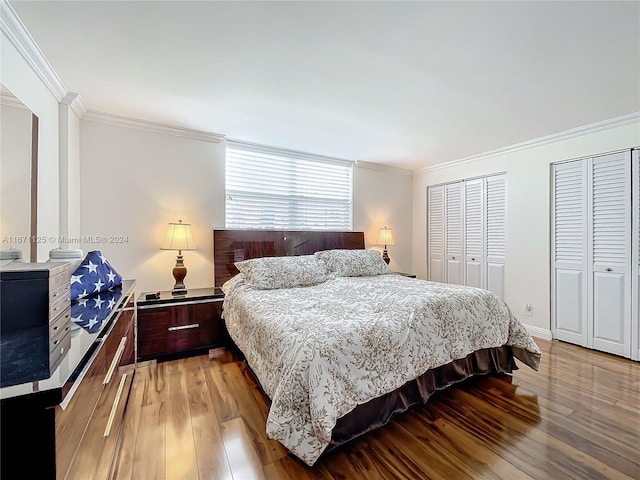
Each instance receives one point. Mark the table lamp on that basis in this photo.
(179, 237)
(385, 237)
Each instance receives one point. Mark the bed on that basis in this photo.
(339, 355)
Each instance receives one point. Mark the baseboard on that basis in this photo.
(539, 332)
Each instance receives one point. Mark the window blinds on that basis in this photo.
(281, 190)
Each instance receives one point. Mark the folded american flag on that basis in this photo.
(94, 275)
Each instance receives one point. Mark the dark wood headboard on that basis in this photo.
(231, 246)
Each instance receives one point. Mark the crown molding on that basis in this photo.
(13, 28)
(536, 142)
(383, 167)
(75, 102)
(153, 127)
(266, 149)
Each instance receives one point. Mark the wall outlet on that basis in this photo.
(527, 309)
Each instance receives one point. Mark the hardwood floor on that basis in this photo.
(578, 417)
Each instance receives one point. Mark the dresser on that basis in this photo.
(177, 325)
(72, 418)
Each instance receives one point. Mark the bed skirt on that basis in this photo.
(379, 411)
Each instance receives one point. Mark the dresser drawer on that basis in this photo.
(117, 344)
(59, 348)
(59, 323)
(84, 444)
(72, 420)
(64, 291)
(60, 305)
(58, 280)
(118, 332)
(56, 340)
(95, 454)
(129, 354)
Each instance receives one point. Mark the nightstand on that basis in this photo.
(410, 275)
(179, 325)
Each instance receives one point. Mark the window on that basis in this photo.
(283, 190)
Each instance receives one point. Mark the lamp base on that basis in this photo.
(178, 291)
(385, 256)
(179, 272)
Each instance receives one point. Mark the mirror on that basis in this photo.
(18, 176)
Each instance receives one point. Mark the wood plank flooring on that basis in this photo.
(578, 417)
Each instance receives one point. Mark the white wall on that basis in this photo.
(528, 216)
(133, 182)
(382, 197)
(20, 79)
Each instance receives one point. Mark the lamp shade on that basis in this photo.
(179, 236)
(385, 237)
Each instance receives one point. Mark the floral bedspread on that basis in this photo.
(320, 351)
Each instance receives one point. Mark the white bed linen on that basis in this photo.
(320, 351)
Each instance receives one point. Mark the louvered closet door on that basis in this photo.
(635, 265)
(474, 232)
(435, 234)
(496, 232)
(611, 230)
(570, 240)
(454, 226)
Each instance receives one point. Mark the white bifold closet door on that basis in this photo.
(496, 233)
(466, 232)
(611, 229)
(435, 234)
(474, 232)
(592, 252)
(570, 256)
(454, 228)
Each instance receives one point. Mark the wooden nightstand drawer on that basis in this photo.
(180, 325)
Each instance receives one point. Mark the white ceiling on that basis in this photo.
(407, 84)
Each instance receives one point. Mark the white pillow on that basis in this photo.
(268, 273)
(353, 263)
